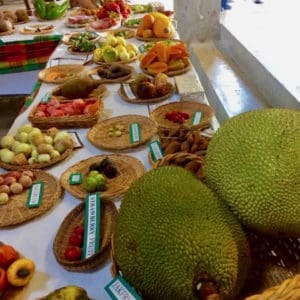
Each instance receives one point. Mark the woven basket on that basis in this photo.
(158, 114)
(36, 30)
(76, 121)
(98, 134)
(137, 100)
(129, 33)
(52, 162)
(68, 71)
(15, 212)
(192, 162)
(129, 169)
(74, 218)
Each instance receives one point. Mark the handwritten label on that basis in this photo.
(35, 195)
(135, 132)
(119, 289)
(75, 178)
(197, 117)
(92, 225)
(156, 150)
(128, 92)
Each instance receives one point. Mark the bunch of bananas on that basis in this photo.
(50, 10)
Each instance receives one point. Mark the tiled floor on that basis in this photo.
(270, 31)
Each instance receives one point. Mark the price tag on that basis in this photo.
(35, 195)
(142, 48)
(197, 117)
(45, 98)
(75, 178)
(119, 289)
(128, 92)
(135, 132)
(156, 150)
(91, 225)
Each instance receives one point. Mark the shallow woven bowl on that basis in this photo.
(129, 170)
(70, 71)
(184, 158)
(15, 212)
(158, 114)
(52, 162)
(75, 218)
(98, 134)
(76, 121)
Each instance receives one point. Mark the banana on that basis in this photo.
(69, 292)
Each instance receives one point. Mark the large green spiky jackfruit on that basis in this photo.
(253, 164)
(172, 233)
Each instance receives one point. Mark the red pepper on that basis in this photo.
(3, 281)
(73, 253)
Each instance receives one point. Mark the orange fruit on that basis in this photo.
(148, 21)
(147, 33)
(139, 31)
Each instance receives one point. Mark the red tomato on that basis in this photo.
(76, 240)
(73, 253)
(79, 229)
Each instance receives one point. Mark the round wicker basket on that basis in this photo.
(76, 217)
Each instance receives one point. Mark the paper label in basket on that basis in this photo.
(197, 117)
(128, 92)
(91, 225)
(35, 195)
(156, 150)
(45, 98)
(75, 178)
(119, 289)
(135, 132)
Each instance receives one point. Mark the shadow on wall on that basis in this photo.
(10, 106)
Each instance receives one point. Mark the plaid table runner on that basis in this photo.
(27, 55)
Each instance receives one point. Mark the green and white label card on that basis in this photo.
(75, 178)
(197, 117)
(35, 195)
(45, 98)
(135, 132)
(92, 222)
(156, 150)
(119, 289)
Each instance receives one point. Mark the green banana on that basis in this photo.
(69, 292)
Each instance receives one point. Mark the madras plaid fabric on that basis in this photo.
(27, 55)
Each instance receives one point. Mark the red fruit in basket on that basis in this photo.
(15, 174)
(102, 13)
(28, 173)
(68, 109)
(79, 230)
(73, 253)
(76, 240)
(42, 107)
(78, 105)
(57, 113)
(91, 108)
(3, 281)
(54, 102)
(4, 188)
(9, 180)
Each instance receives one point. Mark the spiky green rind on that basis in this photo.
(171, 231)
(253, 164)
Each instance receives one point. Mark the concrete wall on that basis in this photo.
(198, 20)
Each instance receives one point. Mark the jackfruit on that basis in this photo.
(253, 164)
(173, 236)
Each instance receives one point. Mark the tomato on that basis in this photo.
(73, 253)
(76, 240)
(8, 255)
(79, 229)
(3, 281)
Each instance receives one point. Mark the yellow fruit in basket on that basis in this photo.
(253, 164)
(162, 28)
(172, 234)
(147, 33)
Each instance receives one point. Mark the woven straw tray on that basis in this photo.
(75, 218)
(137, 100)
(37, 29)
(15, 212)
(129, 169)
(98, 135)
(67, 36)
(52, 162)
(171, 73)
(66, 72)
(76, 121)
(129, 33)
(158, 114)
(93, 73)
(118, 61)
(9, 32)
(70, 50)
